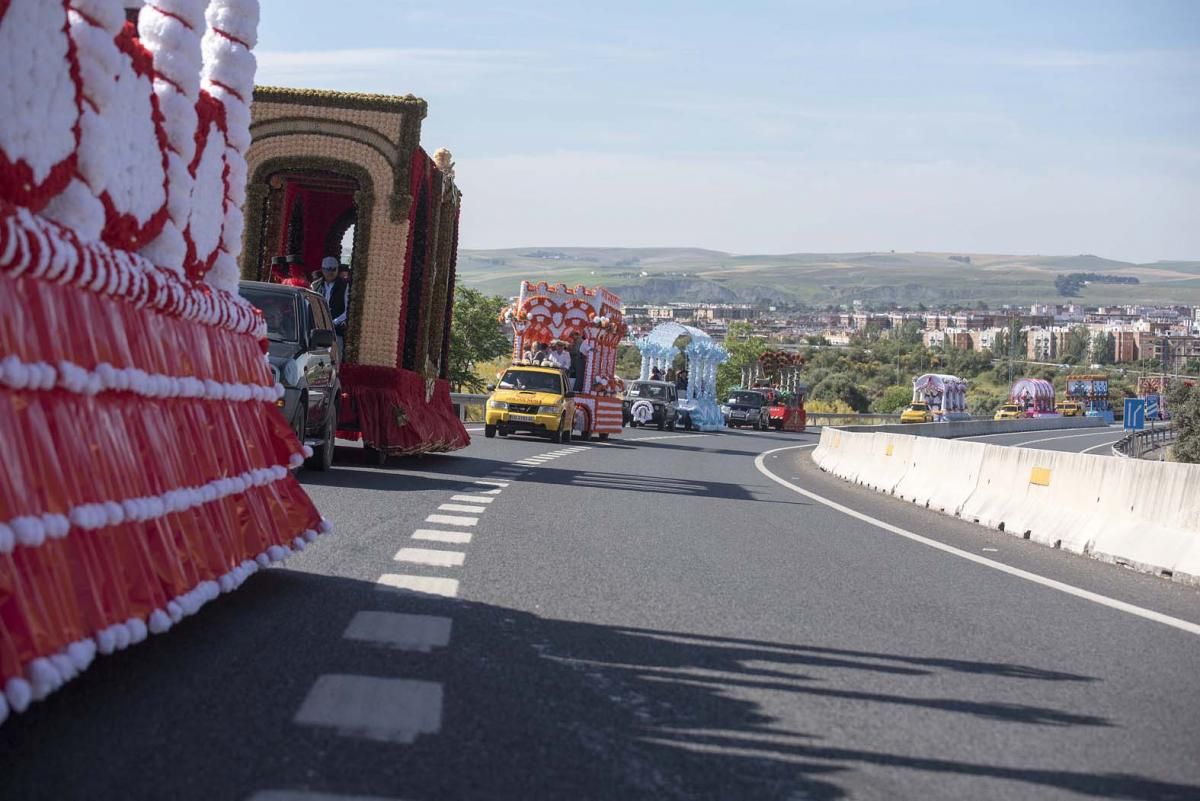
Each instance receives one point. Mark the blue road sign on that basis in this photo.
(1152, 407)
(1135, 414)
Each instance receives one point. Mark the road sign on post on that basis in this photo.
(1152, 404)
(1135, 414)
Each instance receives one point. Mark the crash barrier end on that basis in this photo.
(1139, 514)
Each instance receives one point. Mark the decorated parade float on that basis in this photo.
(1035, 396)
(698, 395)
(781, 374)
(322, 164)
(148, 468)
(544, 313)
(945, 394)
(1090, 391)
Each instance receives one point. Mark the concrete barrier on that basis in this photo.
(1142, 514)
(977, 428)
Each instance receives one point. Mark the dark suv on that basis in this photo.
(303, 352)
(650, 402)
(747, 407)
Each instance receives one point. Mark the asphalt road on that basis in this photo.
(653, 618)
(1098, 441)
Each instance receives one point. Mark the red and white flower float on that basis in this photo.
(148, 468)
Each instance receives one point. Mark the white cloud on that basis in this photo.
(761, 206)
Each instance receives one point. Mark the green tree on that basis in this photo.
(744, 349)
(1077, 345)
(1184, 403)
(475, 336)
(840, 387)
(893, 399)
(1104, 348)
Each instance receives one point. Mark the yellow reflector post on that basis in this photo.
(1040, 476)
(890, 448)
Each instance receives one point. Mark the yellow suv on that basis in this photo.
(1009, 411)
(917, 413)
(530, 399)
(1069, 408)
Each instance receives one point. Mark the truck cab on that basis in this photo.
(532, 400)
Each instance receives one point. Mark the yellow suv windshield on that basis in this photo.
(531, 380)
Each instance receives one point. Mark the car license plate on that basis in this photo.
(522, 418)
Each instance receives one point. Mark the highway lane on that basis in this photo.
(1098, 441)
(651, 618)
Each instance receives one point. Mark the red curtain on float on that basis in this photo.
(397, 409)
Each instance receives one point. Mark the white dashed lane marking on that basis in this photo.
(472, 498)
(400, 631)
(429, 556)
(426, 585)
(384, 710)
(484, 482)
(451, 520)
(435, 535)
(459, 507)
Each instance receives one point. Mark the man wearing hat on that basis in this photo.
(336, 292)
(296, 275)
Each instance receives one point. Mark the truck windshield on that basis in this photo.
(532, 380)
(279, 309)
(746, 399)
(648, 391)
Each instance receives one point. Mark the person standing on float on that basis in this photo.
(296, 275)
(337, 294)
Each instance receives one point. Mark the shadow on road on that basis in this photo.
(533, 708)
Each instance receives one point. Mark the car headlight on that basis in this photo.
(291, 373)
(549, 409)
(495, 404)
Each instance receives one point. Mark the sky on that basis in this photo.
(787, 126)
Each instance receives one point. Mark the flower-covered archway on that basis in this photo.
(699, 397)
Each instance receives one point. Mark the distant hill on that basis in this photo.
(661, 275)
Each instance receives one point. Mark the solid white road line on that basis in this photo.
(304, 795)
(452, 520)
(1065, 436)
(1078, 592)
(434, 535)
(459, 507)
(385, 710)
(431, 557)
(401, 632)
(472, 498)
(426, 585)
(1102, 445)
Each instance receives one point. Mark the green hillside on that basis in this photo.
(659, 275)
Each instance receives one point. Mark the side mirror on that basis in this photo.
(321, 338)
(491, 387)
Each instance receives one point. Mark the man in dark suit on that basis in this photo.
(337, 294)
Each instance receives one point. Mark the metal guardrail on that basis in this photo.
(850, 419)
(1139, 443)
(468, 407)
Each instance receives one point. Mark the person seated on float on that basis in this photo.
(537, 355)
(278, 269)
(296, 273)
(559, 356)
(656, 374)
